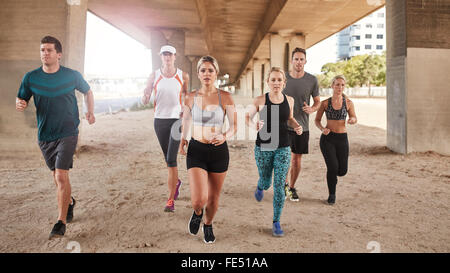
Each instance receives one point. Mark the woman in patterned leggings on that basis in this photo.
(272, 150)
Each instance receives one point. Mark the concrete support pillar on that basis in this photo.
(418, 116)
(243, 85)
(277, 48)
(249, 78)
(23, 24)
(173, 37)
(266, 73)
(194, 83)
(257, 77)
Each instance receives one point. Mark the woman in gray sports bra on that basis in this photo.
(207, 155)
(334, 141)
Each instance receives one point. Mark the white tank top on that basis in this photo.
(167, 92)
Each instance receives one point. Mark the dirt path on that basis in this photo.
(119, 179)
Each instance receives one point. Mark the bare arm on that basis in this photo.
(89, 100)
(351, 113)
(311, 109)
(251, 112)
(230, 110)
(21, 104)
(232, 118)
(148, 89)
(292, 122)
(185, 89)
(318, 120)
(186, 122)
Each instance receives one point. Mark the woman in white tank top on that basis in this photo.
(168, 86)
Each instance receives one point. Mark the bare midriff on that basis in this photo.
(205, 134)
(336, 126)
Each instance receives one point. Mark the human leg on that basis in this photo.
(281, 165)
(329, 153)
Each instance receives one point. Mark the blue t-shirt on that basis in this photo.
(55, 101)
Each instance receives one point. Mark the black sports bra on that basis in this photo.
(340, 114)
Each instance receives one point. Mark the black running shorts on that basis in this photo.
(207, 156)
(299, 143)
(58, 154)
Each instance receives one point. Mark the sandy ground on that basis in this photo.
(398, 202)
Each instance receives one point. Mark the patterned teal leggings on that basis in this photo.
(277, 161)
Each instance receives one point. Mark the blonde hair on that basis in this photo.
(208, 59)
(341, 77)
(276, 69)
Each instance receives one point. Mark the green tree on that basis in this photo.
(359, 70)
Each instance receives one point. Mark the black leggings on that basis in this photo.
(334, 148)
(169, 138)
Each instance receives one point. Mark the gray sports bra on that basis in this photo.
(205, 118)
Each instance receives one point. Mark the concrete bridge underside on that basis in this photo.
(247, 37)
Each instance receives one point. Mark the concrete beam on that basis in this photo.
(203, 14)
(273, 9)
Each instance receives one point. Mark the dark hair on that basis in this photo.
(52, 40)
(298, 49)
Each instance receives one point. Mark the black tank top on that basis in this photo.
(274, 133)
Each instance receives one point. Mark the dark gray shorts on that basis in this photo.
(58, 154)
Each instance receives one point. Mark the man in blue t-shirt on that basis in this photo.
(52, 87)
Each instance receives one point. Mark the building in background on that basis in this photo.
(367, 36)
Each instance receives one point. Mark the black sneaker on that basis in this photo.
(209, 235)
(58, 230)
(194, 223)
(292, 194)
(331, 199)
(69, 216)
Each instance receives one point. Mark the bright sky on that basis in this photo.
(320, 54)
(112, 53)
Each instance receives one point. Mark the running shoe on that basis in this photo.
(69, 217)
(208, 233)
(58, 230)
(177, 190)
(331, 199)
(259, 194)
(292, 194)
(170, 206)
(286, 190)
(276, 230)
(194, 223)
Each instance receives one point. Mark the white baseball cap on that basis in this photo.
(167, 48)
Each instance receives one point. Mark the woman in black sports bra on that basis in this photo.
(334, 141)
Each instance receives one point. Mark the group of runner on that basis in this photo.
(282, 125)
